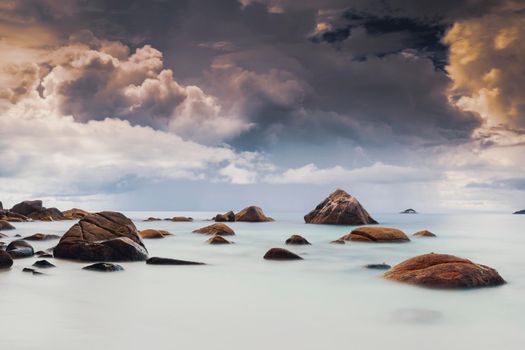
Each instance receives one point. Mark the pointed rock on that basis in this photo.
(297, 240)
(281, 254)
(216, 229)
(424, 233)
(252, 214)
(218, 240)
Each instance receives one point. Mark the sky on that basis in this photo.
(216, 105)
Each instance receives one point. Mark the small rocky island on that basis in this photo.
(409, 211)
(520, 212)
(248, 214)
(339, 208)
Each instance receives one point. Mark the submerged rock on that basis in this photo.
(4, 225)
(169, 261)
(41, 237)
(104, 236)
(444, 271)
(281, 254)
(297, 240)
(43, 264)
(424, 233)
(149, 234)
(216, 229)
(75, 213)
(33, 271)
(5, 260)
(338, 241)
(218, 240)
(376, 234)
(520, 212)
(226, 217)
(339, 208)
(180, 219)
(20, 249)
(409, 211)
(103, 267)
(382, 266)
(252, 214)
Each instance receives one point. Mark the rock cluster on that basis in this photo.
(248, 214)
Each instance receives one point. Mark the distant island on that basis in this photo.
(520, 212)
(408, 211)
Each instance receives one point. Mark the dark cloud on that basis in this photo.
(507, 184)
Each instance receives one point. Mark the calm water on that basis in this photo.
(240, 301)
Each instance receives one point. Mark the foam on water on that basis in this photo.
(240, 301)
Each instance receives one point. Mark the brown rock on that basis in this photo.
(5, 260)
(216, 229)
(376, 234)
(41, 237)
(338, 241)
(424, 233)
(281, 254)
(226, 217)
(444, 271)
(75, 214)
(218, 240)
(152, 219)
(252, 214)
(4, 225)
(147, 234)
(339, 208)
(180, 219)
(297, 240)
(28, 207)
(104, 236)
(13, 217)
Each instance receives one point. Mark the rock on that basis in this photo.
(520, 212)
(18, 235)
(28, 207)
(41, 237)
(180, 219)
(148, 234)
(104, 267)
(45, 255)
(168, 261)
(218, 240)
(382, 266)
(1, 206)
(281, 254)
(5, 260)
(424, 233)
(226, 217)
(409, 211)
(252, 214)
(75, 214)
(44, 264)
(20, 249)
(13, 217)
(48, 214)
(216, 229)
(33, 271)
(338, 241)
(297, 240)
(4, 225)
(444, 271)
(339, 208)
(376, 235)
(104, 236)
(151, 218)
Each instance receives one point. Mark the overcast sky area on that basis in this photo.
(216, 105)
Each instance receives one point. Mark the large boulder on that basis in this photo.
(520, 212)
(104, 236)
(297, 240)
(444, 271)
(226, 217)
(281, 254)
(20, 249)
(5, 225)
(28, 207)
(339, 208)
(41, 237)
(75, 214)
(216, 229)
(5, 260)
(13, 217)
(252, 214)
(376, 234)
(150, 233)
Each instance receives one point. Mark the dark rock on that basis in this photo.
(44, 264)
(168, 261)
(520, 212)
(424, 233)
(409, 211)
(75, 214)
(281, 254)
(105, 236)
(1, 206)
(339, 208)
(41, 237)
(218, 240)
(4, 225)
(216, 229)
(252, 214)
(20, 249)
(148, 234)
(297, 240)
(226, 217)
(180, 219)
(382, 266)
(444, 271)
(5, 260)
(376, 235)
(28, 207)
(104, 267)
(13, 217)
(18, 235)
(151, 218)
(33, 271)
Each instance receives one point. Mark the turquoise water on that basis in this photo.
(240, 301)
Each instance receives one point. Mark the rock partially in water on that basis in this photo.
(409, 211)
(216, 229)
(5, 260)
(281, 254)
(226, 217)
(75, 214)
(169, 261)
(218, 240)
(32, 271)
(382, 266)
(520, 212)
(444, 271)
(43, 264)
(339, 208)
(376, 234)
(151, 218)
(297, 240)
(151, 234)
(104, 236)
(5, 225)
(41, 237)
(7, 215)
(180, 219)
(104, 267)
(424, 233)
(338, 241)
(252, 214)
(27, 208)
(20, 249)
